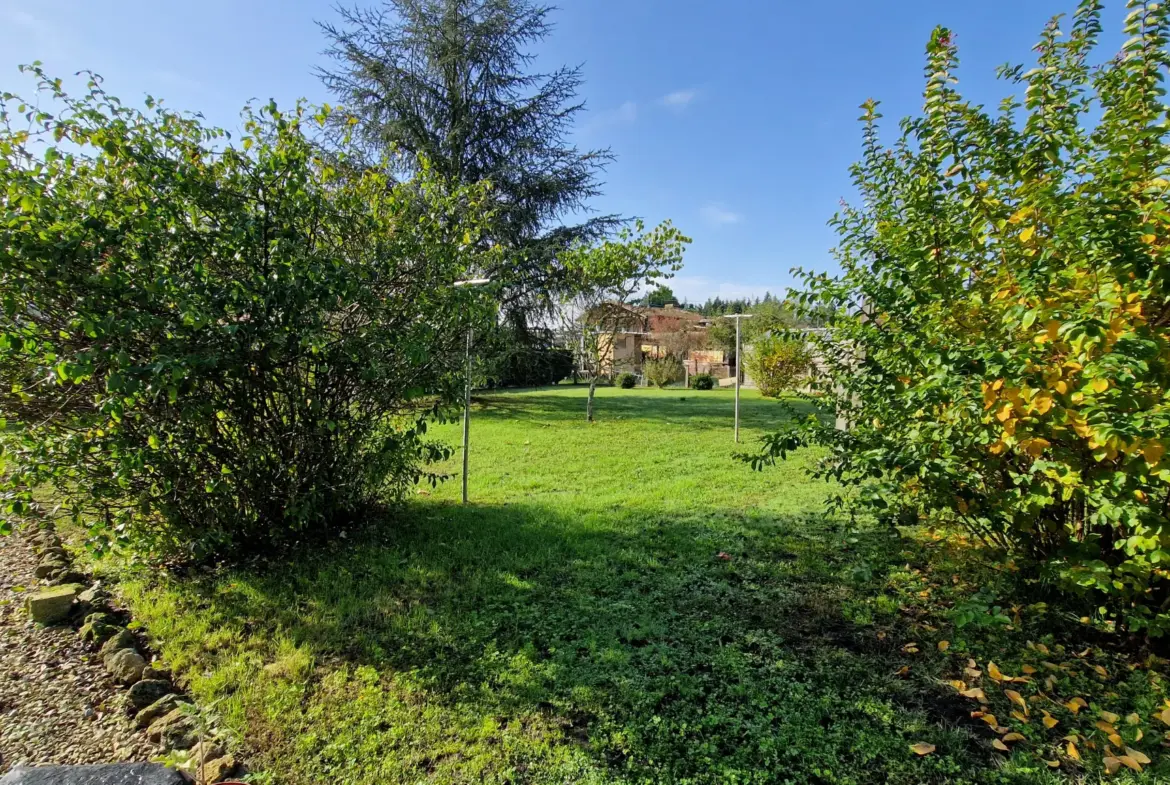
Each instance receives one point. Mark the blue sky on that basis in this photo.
(736, 119)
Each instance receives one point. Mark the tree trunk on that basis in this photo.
(589, 403)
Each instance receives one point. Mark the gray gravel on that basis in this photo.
(57, 705)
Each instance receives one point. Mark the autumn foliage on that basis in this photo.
(1000, 346)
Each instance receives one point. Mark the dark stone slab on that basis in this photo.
(111, 774)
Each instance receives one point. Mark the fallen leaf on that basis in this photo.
(1052, 764)
(1116, 740)
(903, 672)
(1106, 727)
(1018, 699)
(1164, 716)
(1138, 755)
(944, 645)
(958, 685)
(1130, 763)
(999, 745)
(1134, 719)
(1040, 647)
(994, 672)
(1072, 752)
(1111, 765)
(974, 693)
(974, 674)
(1076, 704)
(922, 748)
(990, 720)
(1028, 669)
(1109, 717)
(1087, 651)
(1018, 716)
(1014, 737)
(1049, 721)
(1104, 674)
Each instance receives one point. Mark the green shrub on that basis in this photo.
(1009, 367)
(778, 365)
(627, 381)
(663, 371)
(217, 348)
(703, 381)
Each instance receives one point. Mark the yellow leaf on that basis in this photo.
(1153, 451)
(1104, 726)
(1072, 752)
(994, 672)
(1116, 740)
(1109, 717)
(1049, 721)
(1042, 402)
(1028, 669)
(1016, 698)
(1138, 755)
(1052, 764)
(1035, 447)
(944, 645)
(1111, 765)
(1040, 647)
(922, 748)
(1134, 719)
(999, 745)
(1149, 239)
(990, 720)
(1076, 704)
(1164, 716)
(958, 685)
(997, 448)
(1017, 716)
(1130, 763)
(974, 693)
(1104, 674)
(1014, 737)
(1027, 233)
(1004, 412)
(1052, 330)
(1100, 385)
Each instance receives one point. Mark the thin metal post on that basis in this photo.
(467, 416)
(738, 368)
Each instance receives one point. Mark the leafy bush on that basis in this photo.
(529, 359)
(778, 365)
(703, 381)
(627, 381)
(663, 371)
(1000, 343)
(216, 347)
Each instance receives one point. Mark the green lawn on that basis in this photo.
(577, 624)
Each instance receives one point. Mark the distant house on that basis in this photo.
(659, 332)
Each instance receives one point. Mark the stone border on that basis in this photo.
(160, 710)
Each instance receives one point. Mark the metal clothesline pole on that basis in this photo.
(738, 368)
(467, 389)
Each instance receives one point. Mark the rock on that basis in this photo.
(93, 597)
(97, 632)
(205, 752)
(109, 774)
(219, 769)
(48, 567)
(52, 605)
(122, 639)
(66, 576)
(160, 708)
(105, 618)
(55, 552)
(125, 666)
(148, 691)
(156, 671)
(175, 731)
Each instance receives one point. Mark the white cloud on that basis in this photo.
(625, 114)
(697, 288)
(718, 215)
(679, 99)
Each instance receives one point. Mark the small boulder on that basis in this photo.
(160, 708)
(204, 752)
(52, 605)
(148, 691)
(66, 576)
(93, 597)
(219, 769)
(97, 632)
(174, 731)
(122, 639)
(49, 566)
(103, 617)
(156, 671)
(125, 666)
(104, 774)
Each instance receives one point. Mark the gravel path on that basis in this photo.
(57, 705)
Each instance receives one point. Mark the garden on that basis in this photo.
(932, 547)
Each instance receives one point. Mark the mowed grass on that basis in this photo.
(622, 602)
